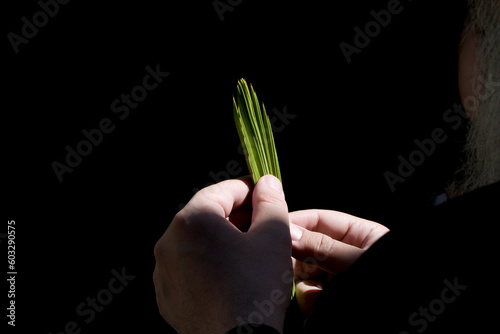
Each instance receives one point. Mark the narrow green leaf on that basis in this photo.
(255, 132)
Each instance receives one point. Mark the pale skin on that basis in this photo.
(216, 259)
(209, 272)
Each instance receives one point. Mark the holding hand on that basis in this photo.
(210, 276)
(325, 243)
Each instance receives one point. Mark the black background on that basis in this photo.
(351, 123)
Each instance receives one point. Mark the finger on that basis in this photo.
(270, 212)
(307, 292)
(221, 198)
(307, 269)
(340, 226)
(329, 254)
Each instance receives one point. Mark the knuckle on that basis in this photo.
(184, 220)
(158, 250)
(271, 199)
(323, 246)
(181, 223)
(181, 218)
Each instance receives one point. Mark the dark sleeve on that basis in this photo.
(434, 273)
(253, 329)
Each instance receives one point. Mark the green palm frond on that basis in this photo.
(255, 132)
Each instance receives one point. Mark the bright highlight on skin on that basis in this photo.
(256, 135)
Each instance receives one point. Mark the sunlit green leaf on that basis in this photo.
(255, 132)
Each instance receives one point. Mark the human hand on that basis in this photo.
(210, 276)
(325, 243)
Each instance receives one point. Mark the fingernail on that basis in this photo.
(295, 232)
(274, 183)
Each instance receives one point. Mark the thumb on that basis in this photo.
(307, 292)
(330, 255)
(270, 211)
